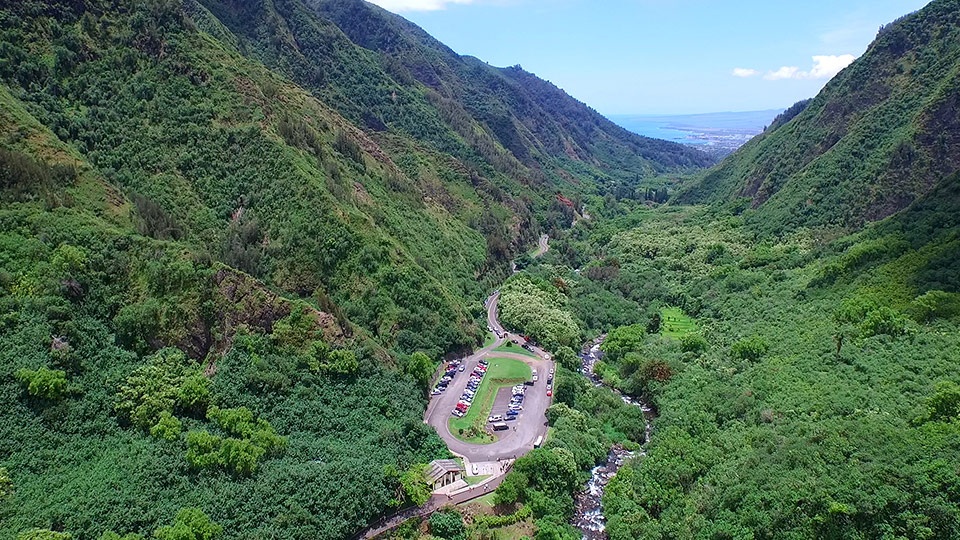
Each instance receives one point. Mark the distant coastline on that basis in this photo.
(718, 134)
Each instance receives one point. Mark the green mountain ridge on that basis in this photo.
(233, 249)
(879, 136)
(237, 236)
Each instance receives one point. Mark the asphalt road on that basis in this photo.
(532, 423)
(542, 246)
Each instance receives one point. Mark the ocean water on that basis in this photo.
(698, 129)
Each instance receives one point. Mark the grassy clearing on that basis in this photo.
(674, 323)
(474, 480)
(486, 500)
(513, 348)
(501, 372)
(488, 339)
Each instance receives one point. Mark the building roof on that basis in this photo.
(440, 467)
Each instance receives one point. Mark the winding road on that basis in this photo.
(531, 423)
(511, 444)
(542, 246)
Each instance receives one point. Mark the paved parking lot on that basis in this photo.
(520, 437)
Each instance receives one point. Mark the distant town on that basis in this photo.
(717, 134)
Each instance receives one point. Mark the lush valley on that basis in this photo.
(223, 291)
(238, 237)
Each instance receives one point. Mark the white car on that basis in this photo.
(495, 418)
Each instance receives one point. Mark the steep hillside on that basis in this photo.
(880, 135)
(224, 287)
(402, 80)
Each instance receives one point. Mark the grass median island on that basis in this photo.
(513, 348)
(674, 323)
(500, 372)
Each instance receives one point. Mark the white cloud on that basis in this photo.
(824, 67)
(745, 72)
(786, 72)
(417, 5)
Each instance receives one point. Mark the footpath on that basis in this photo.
(436, 502)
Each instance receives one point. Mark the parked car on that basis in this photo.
(495, 418)
(458, 413)
(549, 393)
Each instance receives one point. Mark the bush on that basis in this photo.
(190, 524)
(693, 343)
(884, 321)
(935, 305)
(751, 348)
(44, 383)
(448, 524)
(168, 381)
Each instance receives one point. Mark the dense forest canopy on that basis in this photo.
(236, 239)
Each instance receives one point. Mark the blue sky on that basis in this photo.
(664, 56)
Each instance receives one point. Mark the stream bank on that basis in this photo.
(588, 506)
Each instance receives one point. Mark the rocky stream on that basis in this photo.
(588, 506)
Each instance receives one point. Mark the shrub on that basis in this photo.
(448, 525)
(190, 524)
(751, 348)
(693, 343)
(44, 383)
(167, 382)
(884, 321)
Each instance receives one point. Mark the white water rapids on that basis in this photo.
(588, 506)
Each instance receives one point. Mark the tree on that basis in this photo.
(110, 535)
(414, 485)
(751, 348)
(512, 490)
(168, 427)
(944, 405)
(421, 367)
(623, 340)
(653, 327)
(190, 524)
(167, 382)
(567, 358)
(553, 470)
(935, 305)
(342, 362)
(884, 321)
(693, 343)
(448, 525)
(44, 383)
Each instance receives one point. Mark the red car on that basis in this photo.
(549, 393)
